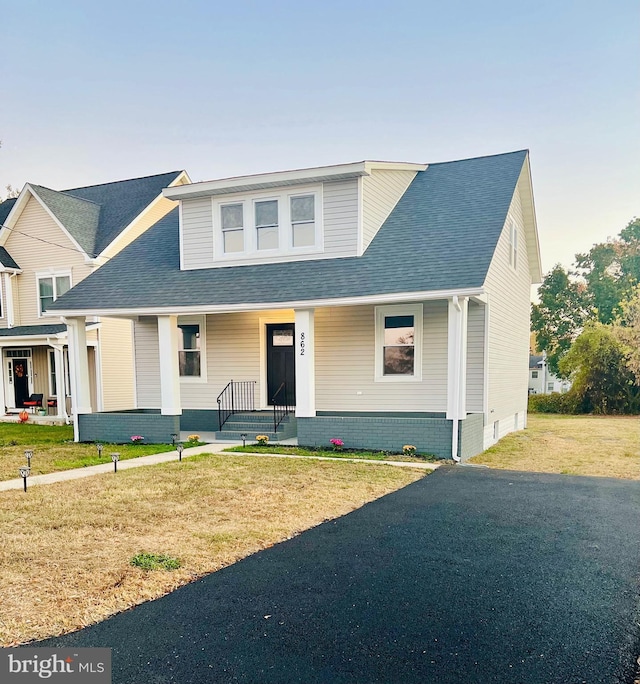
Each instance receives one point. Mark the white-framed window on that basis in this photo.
(398, 352)
(550, 387)
(191, 348)
(268, 223)
(232, 226)
(534, 374)
(50, 287)
(513, 245)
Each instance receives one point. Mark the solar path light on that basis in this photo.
(24, 474)
(115, 458)
(174, 438)
(243, 437)
(180, 449)
(99, 447)
(28, 454)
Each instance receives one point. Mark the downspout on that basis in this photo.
(455, 420)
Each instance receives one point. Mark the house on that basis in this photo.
(49, 242)
(387, 302)
(542, 380)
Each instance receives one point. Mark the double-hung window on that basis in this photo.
(398, 353)
(303, 221)
(189, 350)
(50, 288)
(232, 220)
(266, 215)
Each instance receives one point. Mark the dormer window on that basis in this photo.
(267, 224)
(232, 220)
(303, 226)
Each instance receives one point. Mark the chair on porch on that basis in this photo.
(34, 402)
(52, 403)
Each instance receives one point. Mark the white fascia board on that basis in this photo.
(393, 166)
(17, 210)
(112, 248)
(240, 183)
(532, 225)
(393, 298)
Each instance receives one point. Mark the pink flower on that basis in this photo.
(336, 442)
(137, 438)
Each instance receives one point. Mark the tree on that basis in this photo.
(560, 316)
(628, 331)
(598, 366)
(611, 270)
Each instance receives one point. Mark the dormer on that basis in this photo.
(317, 213)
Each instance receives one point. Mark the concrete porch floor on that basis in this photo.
(34, 419)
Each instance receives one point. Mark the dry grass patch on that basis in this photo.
(606, 446)
(66, 551)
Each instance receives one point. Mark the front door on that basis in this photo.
(281, 362)
(20, 374)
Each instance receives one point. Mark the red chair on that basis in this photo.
(33, 402)
(52, 403)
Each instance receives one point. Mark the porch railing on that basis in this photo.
(281, 405)
(236, 397)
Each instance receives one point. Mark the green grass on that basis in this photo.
(155, 561)
(331, 453)
(54, 449)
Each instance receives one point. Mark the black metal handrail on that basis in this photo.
(236, 397)
(281, 406)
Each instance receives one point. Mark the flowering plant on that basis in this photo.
(137, 438)
(262, 439)
(409, 450)
(337, 443)
(194, 438)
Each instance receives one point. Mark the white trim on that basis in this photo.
(399, 297)
(485, 379)
(360, 243)
(169, 367)
(181, 235)
(201, 322)
(304, 355)
(8, 293)
(97, 363)
(9, 386)
(415, 310)
(52, 274)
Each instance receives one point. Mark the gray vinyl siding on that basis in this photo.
(380, 194)
(475, 358)
(340, 223)
(508, 293)
(197, 233)
(345, 351)
(147, 357)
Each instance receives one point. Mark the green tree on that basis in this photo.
(611, 270)
(560, 316)
(598, 366)
(628, 331)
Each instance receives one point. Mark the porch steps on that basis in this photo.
(257, 423)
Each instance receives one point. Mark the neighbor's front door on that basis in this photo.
(20, 374)
(281, 363)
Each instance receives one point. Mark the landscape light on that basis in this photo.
(174, 438)
(180, 449)
(24, 474)
(243, 436)
(115, 458)
(99, 447)
(28, 455)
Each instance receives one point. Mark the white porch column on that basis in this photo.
(457, 366)
(3, 398)
(58, 363)
(169, 366)
(78, 370)
(305, 363)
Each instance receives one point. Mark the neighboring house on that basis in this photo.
(541, 380)
(389, 302)
(50, 241)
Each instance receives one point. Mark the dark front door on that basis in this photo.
(20, 374)
(281, 363)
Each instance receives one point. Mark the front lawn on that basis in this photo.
(607, 446)
(54, 449)
(333, 453)
(67, 548)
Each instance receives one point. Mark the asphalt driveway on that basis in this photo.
(469, 575)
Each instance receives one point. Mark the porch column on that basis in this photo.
(169, 366)
(3, 398)
(305, 363)
(58, 363)
(78, 370)
(457, 367)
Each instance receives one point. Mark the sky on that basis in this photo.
(101, 91)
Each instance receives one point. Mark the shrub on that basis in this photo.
(337, 443)
(194, 438)
(554, 403)
(409, 450)
(136, 439)
(262, 440)
(155, 561)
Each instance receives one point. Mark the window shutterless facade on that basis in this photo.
(50, 287)
(274, 224)
(398, 352)
(191, 348)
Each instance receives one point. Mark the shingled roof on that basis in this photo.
(440, 236)
(96, 214)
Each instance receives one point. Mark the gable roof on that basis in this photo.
(6, 260)
(422, 246)
(95, 215)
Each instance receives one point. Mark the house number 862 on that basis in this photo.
(302, 343)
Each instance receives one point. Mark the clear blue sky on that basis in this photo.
(99, 91)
